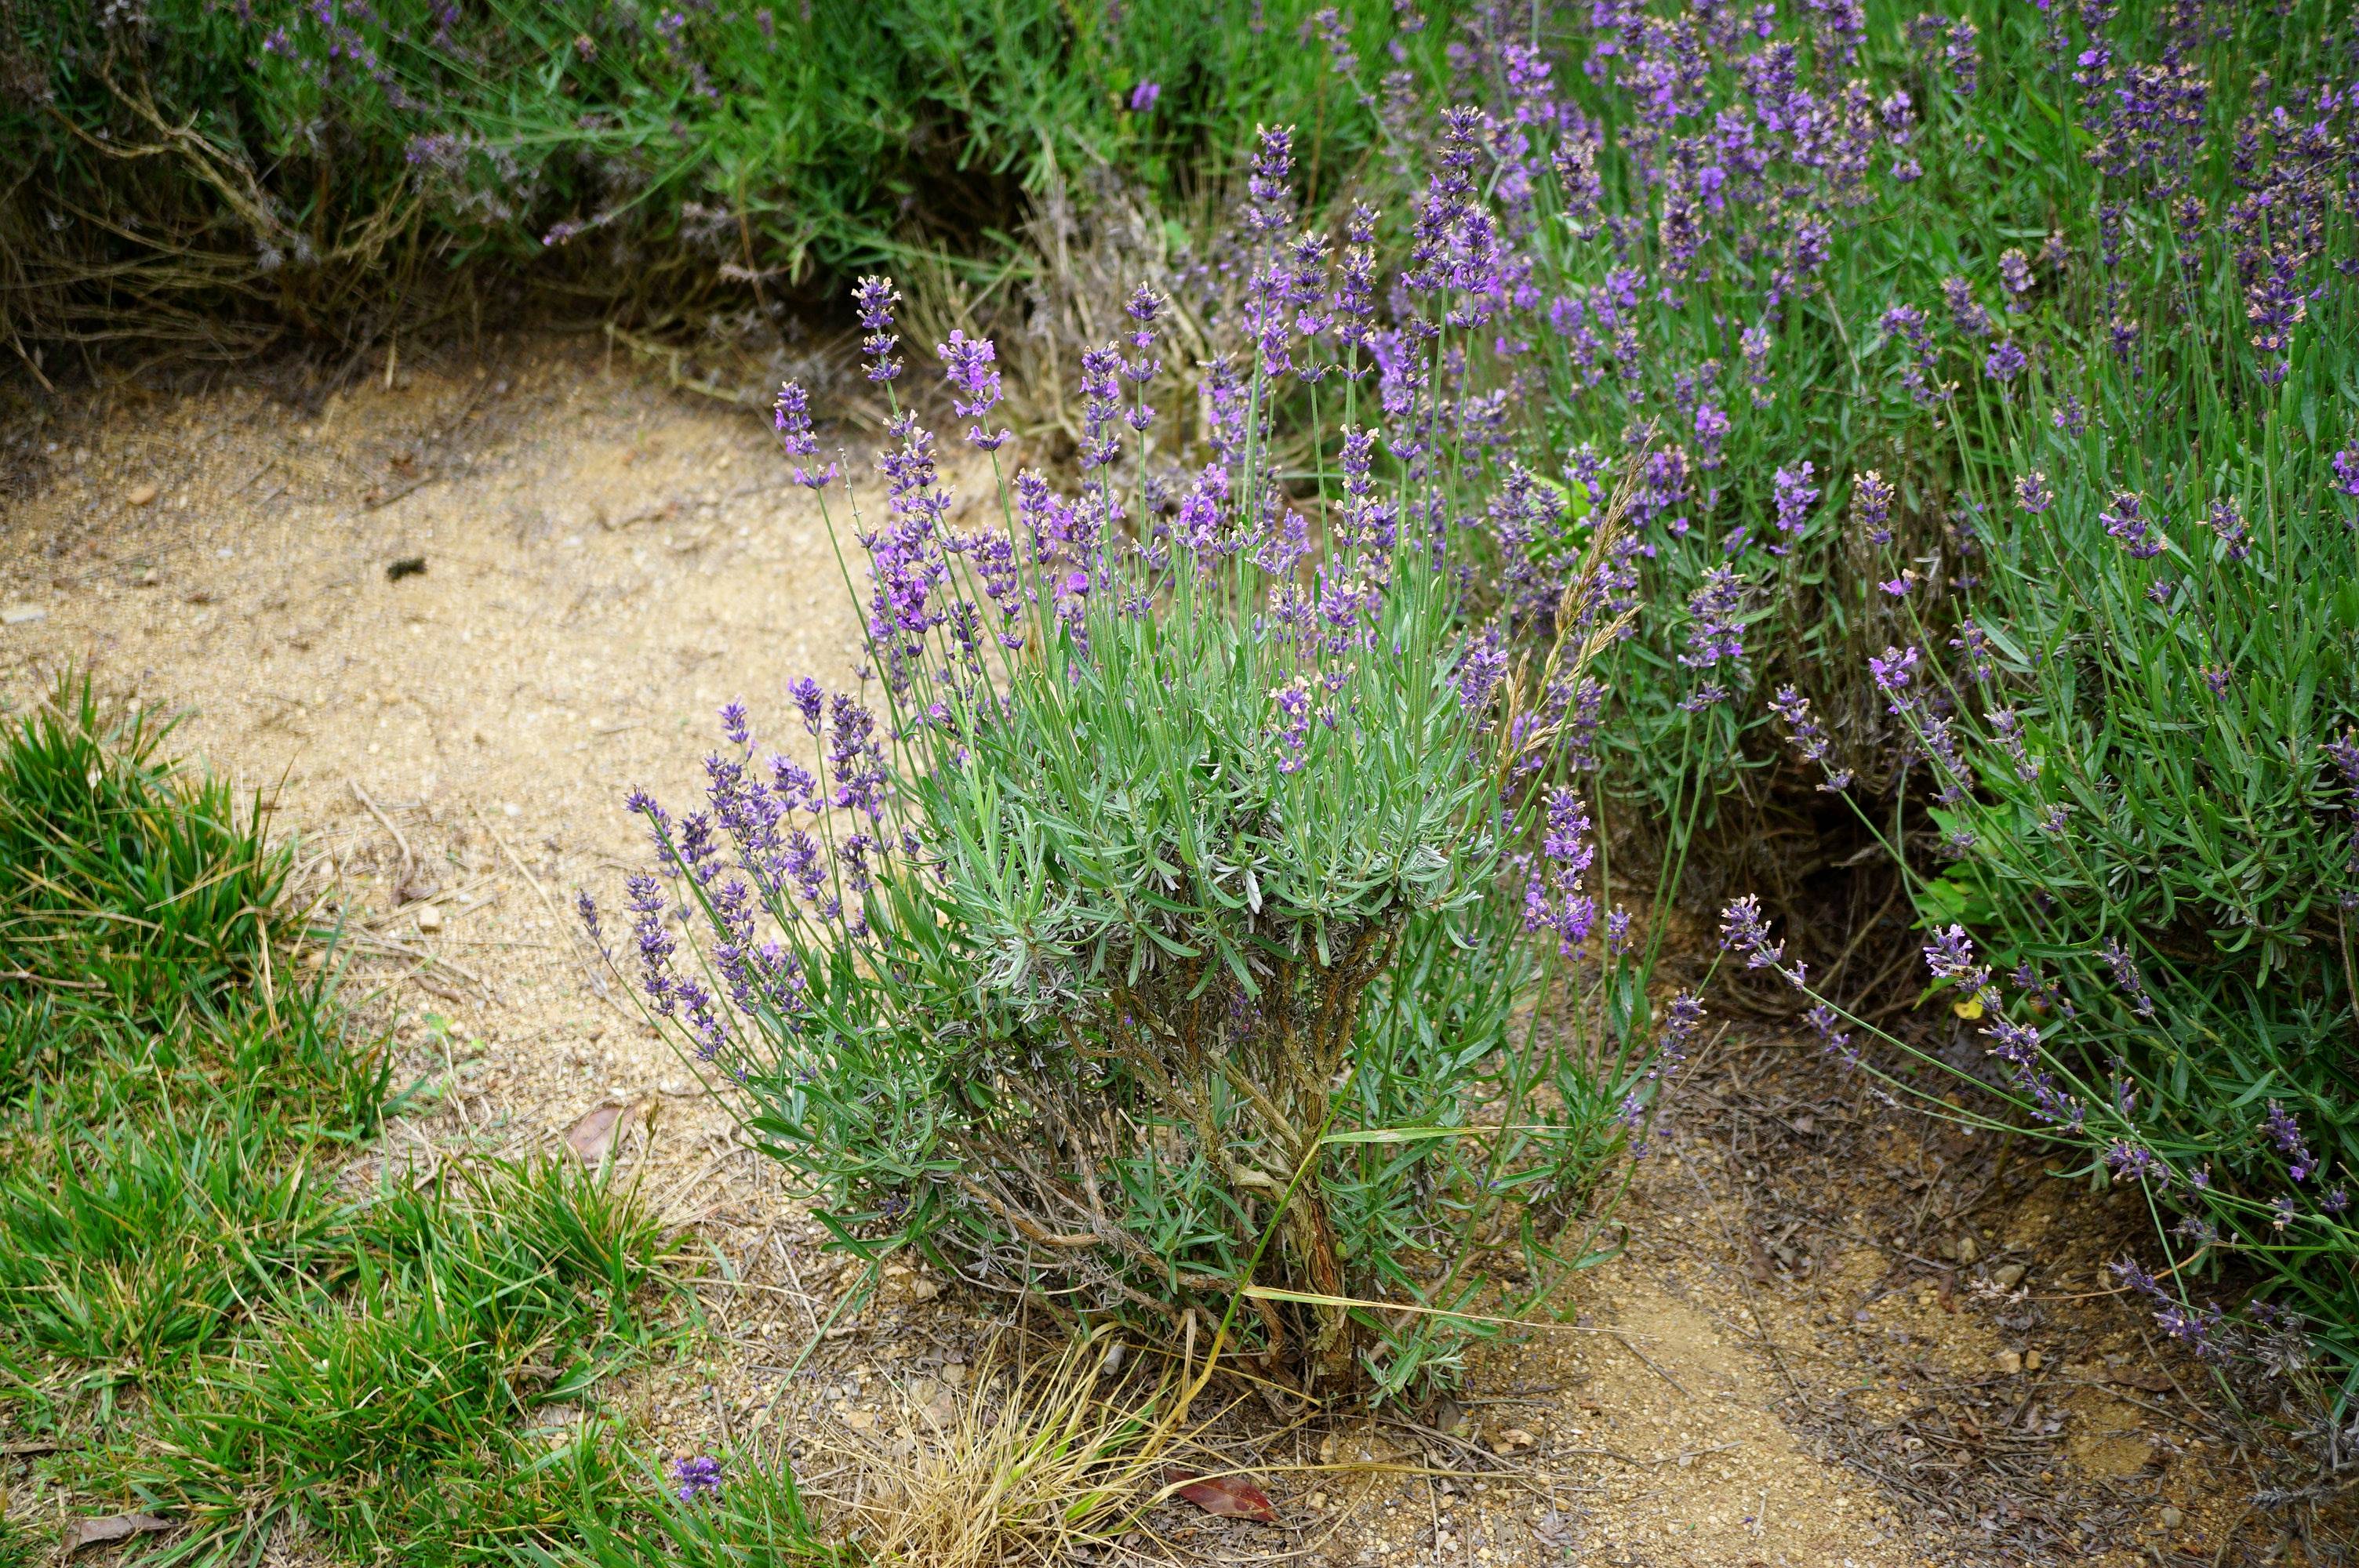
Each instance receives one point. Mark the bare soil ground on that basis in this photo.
(1839, 1335)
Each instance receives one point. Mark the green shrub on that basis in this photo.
(282, 164)
(1165, 942)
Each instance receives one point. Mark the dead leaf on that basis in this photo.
(1511, 1441)
(596, 1135)
(1228, 1497)
(84, 1533)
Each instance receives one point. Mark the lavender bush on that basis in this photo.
(1209, 911)
(1985, 374)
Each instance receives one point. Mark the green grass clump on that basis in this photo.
(369, 1398)
(211, 1323)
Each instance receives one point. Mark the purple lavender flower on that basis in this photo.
(1743, 931)
(872, 300)
(791, 417)
(2275, 303)
(1710, 429)
(1270, 204)
(1871, 506)
(1142, 97)
(1716, 626)
(1965, 313)
(1481, 670)
(1907, 323)
(1684, 1015)
(2281, 1129)
(697, 1477)
(2005, 361)
(1949, 955)
(1100, 406)
(2127, 522)
(2006, 729)
(1822, 1021)
(2228, 525)
(2136, 1162)
(2346, 470)
(1554, 902)
(587, 908)
(1753, 344)
(2014, 274)
(2119, 960)
(808, 699)
(1974, 644)
(2138, 1280)
(1893, 669)
(1817, 746)
(967, 365)
(1293, 701)
(1958, 52)
(1329, 24)
(1793, 495)
(2031, 493)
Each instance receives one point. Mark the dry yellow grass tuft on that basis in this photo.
(1035, 1463)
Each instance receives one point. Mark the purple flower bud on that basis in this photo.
(1142, 97)
(696, 1477)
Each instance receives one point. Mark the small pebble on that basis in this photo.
(430, 919)
(2031, 1361)
(142, 494)
(2010, 1362)
(18, 614)
(2006, 1276)
(2172, 1518)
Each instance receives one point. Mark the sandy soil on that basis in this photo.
(1806, 1354)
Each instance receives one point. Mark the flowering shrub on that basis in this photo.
(1160, 940)
(1993, 365)
(2133, 715)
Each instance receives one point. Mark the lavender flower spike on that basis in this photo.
(873, 301)
(791, 417)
